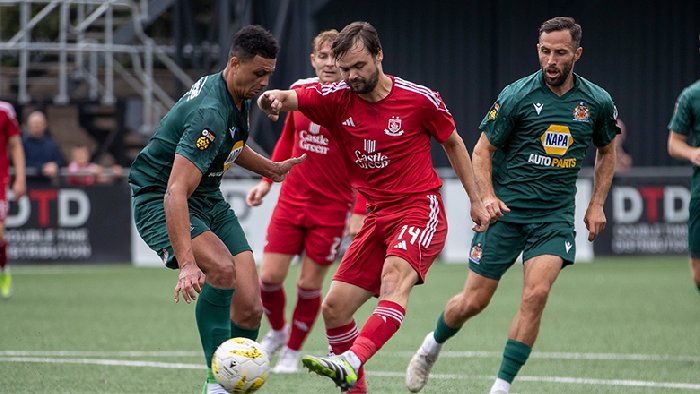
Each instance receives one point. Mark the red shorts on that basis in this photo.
(414, 230)
(294, 229)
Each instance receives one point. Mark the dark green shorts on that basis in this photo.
(495, 250)
(694, 228)
(212, 214)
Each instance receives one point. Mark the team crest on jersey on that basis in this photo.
(205, 139)
(235, 151)
(394, 127)
(475, 253)
(581, 112)
(556, 140)
(493, 112)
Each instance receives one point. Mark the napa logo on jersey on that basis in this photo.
(235, 151)
(556, 140)
(393, 129)
(206, 137)
(581, 112)
(493, 112)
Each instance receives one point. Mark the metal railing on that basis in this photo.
(74, 43)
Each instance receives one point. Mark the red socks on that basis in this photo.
(341, 338)
(378, 329)
(274, 301)
(305, 313)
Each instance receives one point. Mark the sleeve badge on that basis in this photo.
(493, 112)
(205, 139)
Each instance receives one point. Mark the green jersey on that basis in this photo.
(686, 121)
(205, 127)
(542, 139)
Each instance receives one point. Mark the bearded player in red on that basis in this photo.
(10, 148)
(309, 218)
(384, 124)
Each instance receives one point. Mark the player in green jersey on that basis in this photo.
(684, 144)
(526, 163)
(179, 209)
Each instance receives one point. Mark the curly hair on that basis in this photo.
(253, 40)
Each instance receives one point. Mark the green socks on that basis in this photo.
(213, 312)
(514, 356)
(237, 331)
(443, 332)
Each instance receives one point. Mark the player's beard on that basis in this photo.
(563, 74)
(366, 85)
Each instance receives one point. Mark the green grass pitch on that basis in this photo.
(618, 325)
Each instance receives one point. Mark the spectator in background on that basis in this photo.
(10, 148)
(623, 159)
(42, 153)
(83, 172)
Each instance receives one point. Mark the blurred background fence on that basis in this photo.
(104, 72)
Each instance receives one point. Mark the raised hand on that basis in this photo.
(282, 168)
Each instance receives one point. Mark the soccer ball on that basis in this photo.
(240, 365)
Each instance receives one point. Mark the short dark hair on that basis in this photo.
(563, 23)
(253, 40)
(354, 32)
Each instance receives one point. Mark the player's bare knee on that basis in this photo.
(222, 275)
(249, 316)
(471, 305)
(535, 297)
(312, 278)
(272, 275)
(334, 313)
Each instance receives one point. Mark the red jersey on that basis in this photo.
(387, 141)
(8, 128)
(323, 178)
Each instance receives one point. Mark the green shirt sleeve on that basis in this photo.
(203, 134)
(681, 121)
(501, 118)
(606, 128)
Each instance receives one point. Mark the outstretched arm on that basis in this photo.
(283, 151)
(462, 165)
(273, 102)
(604, 169)
(277, 171)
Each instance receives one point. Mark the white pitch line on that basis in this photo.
(547, 379)
(557, 379)
(99, 361)
(406, 354)
(97, 353)
(565, 356)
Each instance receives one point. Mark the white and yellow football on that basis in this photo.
(240, 365)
